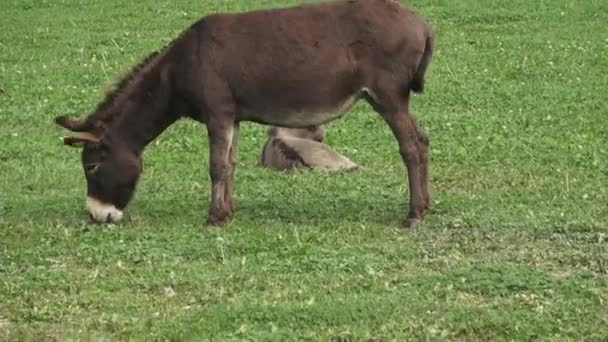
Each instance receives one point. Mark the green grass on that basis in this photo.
(515, 247)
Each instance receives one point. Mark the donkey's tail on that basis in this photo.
(417, 83)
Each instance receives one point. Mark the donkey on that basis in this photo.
(290, 148)
(315, 132)
(291, 67)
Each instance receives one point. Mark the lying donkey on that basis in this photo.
(291, 67)
(291, 148)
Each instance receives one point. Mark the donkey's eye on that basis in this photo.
(91, 168)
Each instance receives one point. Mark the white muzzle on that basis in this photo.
(102, 212)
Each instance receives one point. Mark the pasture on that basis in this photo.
(515, 246)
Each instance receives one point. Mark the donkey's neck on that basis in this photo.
(137, 131)
(146, 113)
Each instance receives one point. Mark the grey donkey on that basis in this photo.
(290, 148)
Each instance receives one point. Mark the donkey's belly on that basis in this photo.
(301, 117)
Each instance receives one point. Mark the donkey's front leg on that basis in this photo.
(228, 191)
(404, 129)
(221, 132)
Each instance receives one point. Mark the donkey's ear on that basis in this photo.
(80, 141)
(74, 125)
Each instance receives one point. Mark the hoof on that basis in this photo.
(219, 219)
(412, 223)
(214, 221)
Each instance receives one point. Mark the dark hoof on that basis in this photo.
(216, 221)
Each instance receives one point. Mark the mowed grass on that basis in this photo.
(515, 247)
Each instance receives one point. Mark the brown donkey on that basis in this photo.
(291, 67)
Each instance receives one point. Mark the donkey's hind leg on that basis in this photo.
(423, 149)
(404, 130)
(394, 108)
(221, 131)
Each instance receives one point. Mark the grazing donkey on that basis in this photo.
(290, 67)
(290, 148)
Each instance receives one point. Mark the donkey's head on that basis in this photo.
(111, 169)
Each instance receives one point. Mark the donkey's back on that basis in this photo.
(307, 65)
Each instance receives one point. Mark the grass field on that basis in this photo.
(515, 247)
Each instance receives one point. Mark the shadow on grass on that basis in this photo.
(278, 209)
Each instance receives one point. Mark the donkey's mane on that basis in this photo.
(103, 112)
(118, 88)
